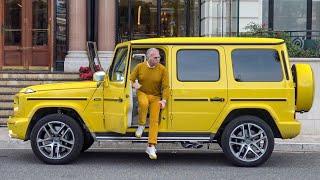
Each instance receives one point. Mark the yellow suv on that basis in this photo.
(238, 92)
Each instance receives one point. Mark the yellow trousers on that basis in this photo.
(152, 103)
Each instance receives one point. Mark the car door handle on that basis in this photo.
(97, 99)
(217, 99)
(114, 99)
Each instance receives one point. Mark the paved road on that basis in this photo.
(106, 164)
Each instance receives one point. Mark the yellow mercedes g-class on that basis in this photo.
(238, 92)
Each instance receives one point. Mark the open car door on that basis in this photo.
(117, 101)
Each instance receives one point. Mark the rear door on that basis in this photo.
(199, 87)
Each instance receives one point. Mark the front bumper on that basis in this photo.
(18, 127)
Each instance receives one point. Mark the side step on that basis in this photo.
(162, 137)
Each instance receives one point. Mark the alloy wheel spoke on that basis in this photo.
(63, 146)
(47, 132)
(249, 130)
(245, 154)
(66, 141)
(254, 152)
(259, 149)
(60, 130)
(44, 140)
(236, 143)
(237, 137)
(65, 132)
(243, 146)
(258, 134)
(260, 139)
(52, 129)
(243, 132)
(57, 151)
(51, 152)
(46, 145)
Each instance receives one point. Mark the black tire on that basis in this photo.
(248, 145)
(87, 143)
(70, 126)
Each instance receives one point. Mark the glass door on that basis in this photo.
(24, 32)
(12, 32)
(40, 33)
(173, 18)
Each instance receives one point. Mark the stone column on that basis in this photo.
(77, 54)
(107, 31)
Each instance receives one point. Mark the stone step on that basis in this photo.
(28, 83)
(3, 121)
(6, 113)
(37, 79)
(40, 76)
(6, 105)
(9, 89)
(6, 97)
(6, 108)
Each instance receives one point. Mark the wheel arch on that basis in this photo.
(261, 113)
(44, 111)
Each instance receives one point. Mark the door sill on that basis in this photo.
(162, 137)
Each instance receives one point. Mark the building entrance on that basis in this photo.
(25, 34)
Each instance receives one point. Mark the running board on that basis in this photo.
(162, 137)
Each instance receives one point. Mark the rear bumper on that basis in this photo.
(290, 129)
(17, 127)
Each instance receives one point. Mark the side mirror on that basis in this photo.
(99, 76)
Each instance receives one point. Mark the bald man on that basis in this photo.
(150, 79)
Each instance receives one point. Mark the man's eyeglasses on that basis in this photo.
(157, 57)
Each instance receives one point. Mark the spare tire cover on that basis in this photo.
(303, 77)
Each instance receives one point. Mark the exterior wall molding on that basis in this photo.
(293, 59)
(105, 58)
(74, 60)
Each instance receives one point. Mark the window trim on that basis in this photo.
(159, 48)
(110, 70)
(234, 78)
(219, 62)
(285, 64)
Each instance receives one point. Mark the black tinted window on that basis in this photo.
(198, 65)
(256, 65)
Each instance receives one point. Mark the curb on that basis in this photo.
(121, 146)
(297, 147)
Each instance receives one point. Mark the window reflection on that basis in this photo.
(39, 22)
(290, 15)
(194, 17)
(138, 19)
(12, 22)
(144, 19)
(61, 29)
(316, 18)
(123, 21)
(173, 18)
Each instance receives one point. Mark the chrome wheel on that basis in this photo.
(248, 142)
(55, 140)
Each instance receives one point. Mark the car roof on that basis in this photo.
(209, 40)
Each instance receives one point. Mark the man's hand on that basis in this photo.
(162, 104)
(136, 85)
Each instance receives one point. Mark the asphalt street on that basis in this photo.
(124, 164)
